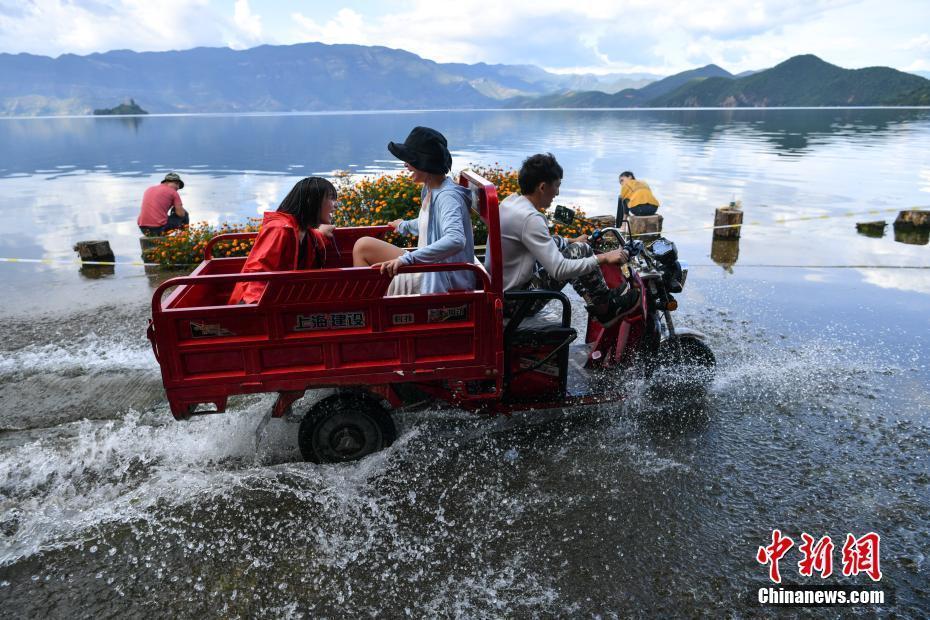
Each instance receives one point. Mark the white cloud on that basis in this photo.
(742, 17)
(597, 36)
(425, 29)
(249, 24)
(52, 27)
(918, 44)
(654, 36)
(346, 27)
(902, 280)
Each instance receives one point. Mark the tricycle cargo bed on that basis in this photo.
(316, 328)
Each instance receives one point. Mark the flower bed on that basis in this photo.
(366, 202)
(185, 246)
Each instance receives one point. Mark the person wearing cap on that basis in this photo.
(635, 197)
(448, 231)
(162, 209)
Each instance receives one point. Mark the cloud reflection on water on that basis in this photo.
(79, 178)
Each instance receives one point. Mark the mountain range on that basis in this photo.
(315, 76)
(627, 98)
(803, 81)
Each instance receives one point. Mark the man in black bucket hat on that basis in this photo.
(424, 149)
(162, 209)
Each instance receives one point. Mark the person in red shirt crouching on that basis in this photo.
(293, 237)
(161, 207)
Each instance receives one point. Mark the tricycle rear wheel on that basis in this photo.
(345, 427)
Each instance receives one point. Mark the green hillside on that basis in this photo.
(626, 98)
(803, 81)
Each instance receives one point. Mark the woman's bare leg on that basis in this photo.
(370, 251)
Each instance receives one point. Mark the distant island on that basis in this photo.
(309, 77)
(127, 107)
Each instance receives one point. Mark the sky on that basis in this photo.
(597, 36)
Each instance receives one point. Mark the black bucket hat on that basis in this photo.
(425, 149)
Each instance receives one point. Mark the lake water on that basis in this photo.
(817, 421)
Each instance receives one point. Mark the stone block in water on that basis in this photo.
(871, 229)
(94, 251)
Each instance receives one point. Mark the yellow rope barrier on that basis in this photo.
(78, 261)
(807, 218)
(49, 261)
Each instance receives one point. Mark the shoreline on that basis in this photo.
(445, 111)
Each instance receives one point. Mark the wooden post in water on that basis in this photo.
(645, 225)
(913, 217)
(731, 218)
(602, 221)
(724, 252)
(913, 227)
(94, 251)
(913, 235)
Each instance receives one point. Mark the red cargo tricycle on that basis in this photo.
(336, 328)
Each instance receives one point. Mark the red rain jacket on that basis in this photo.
(276, 249)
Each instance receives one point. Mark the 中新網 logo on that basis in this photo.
(859, 555)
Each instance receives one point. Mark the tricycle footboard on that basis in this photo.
(184, 402)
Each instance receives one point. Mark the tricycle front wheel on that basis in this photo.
(345, 427)
(683, 365)
(686, 352)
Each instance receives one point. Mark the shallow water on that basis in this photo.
(817, 421)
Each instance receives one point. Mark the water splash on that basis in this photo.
(90, 473)
(443, 522)
(84, 355)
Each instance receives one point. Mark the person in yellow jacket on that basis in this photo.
(635, 197)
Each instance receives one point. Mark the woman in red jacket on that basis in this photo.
(291, 237)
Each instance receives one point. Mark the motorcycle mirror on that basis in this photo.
(564, 215)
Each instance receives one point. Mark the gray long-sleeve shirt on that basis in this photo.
(450, 238)
(526, 240)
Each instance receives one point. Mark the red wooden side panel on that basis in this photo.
(328, 327)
